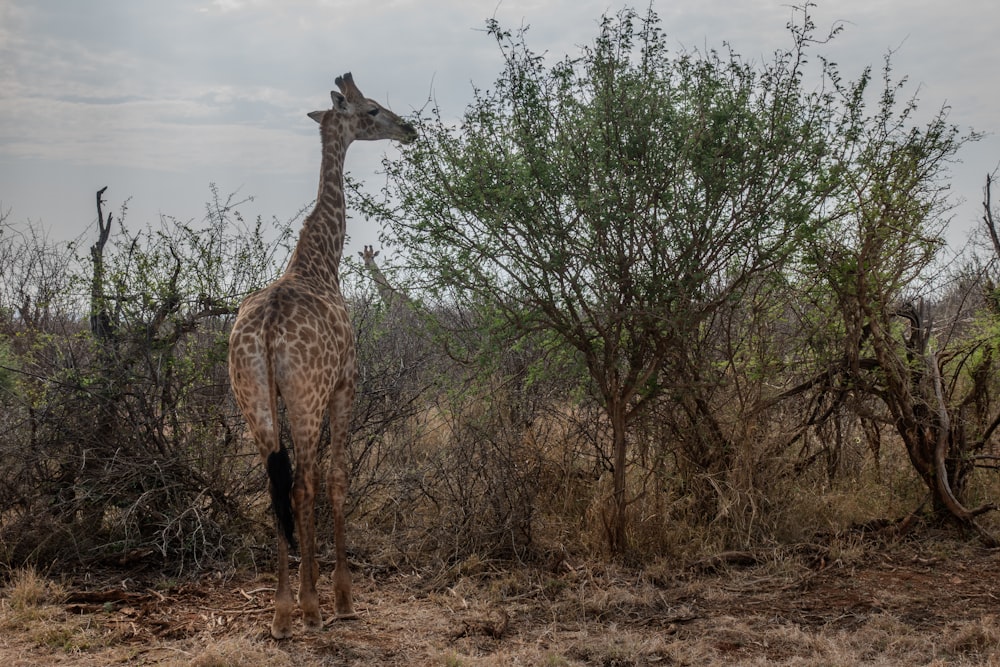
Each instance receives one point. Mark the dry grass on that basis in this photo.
(28, 589)
(239, 651)
(38, 630)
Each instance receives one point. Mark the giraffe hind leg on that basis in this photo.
(279, 472)
(312, 618)
(305, 427)
(284, 604)
(255, 396)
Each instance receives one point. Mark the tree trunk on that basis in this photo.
(616, 529)
(935, 444)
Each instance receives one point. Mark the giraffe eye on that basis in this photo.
(373, 112)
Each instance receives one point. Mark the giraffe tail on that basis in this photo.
(279, 471)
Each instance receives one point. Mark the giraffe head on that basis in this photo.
(361, 118)
(368, 255)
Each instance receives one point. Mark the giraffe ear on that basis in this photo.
(317, 115)
(375, 254)
(339, 101)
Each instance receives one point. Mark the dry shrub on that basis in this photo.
(108, 457)
(471, 482)
(497, 472)
(489, 466)
(119, 439)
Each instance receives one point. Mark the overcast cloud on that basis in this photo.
(159, 99)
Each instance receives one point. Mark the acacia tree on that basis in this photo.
(885, 232)
(615, 200)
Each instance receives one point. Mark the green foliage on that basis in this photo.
(594, 197)
(687, 225)
(614, 200)
(7, 370)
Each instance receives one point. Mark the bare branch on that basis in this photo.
(100, 320)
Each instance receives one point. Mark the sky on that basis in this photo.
(158, 100)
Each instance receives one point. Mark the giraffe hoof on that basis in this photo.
(282, 631)
(347, 615)
(313, 622)
(343, 600)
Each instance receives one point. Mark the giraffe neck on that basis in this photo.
(321, 242)
(385, 290)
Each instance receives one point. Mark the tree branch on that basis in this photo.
(988, 215)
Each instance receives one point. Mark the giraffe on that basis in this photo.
(390, 297)
(294, 339)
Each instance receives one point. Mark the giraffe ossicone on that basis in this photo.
(293, 340)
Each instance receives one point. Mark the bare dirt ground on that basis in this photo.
(935, 601)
